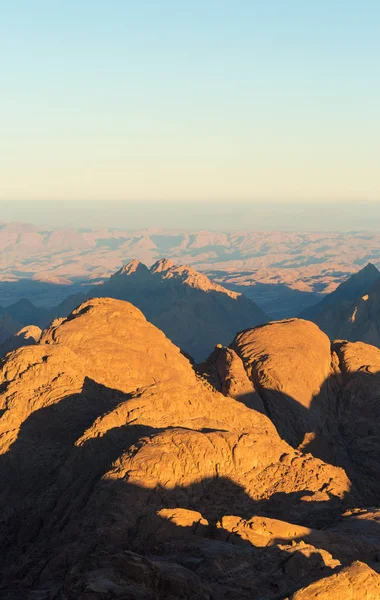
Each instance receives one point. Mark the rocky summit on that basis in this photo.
(129, 473)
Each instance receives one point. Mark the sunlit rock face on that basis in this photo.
(289, 363)
(357, 580)
(127, 473)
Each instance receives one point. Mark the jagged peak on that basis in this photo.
(189, 276)
(193, 278)
(365, 277)
(133, 266)
(164, 264)
(361, 281)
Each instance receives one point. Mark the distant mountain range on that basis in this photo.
(197, 313)
(283, 272)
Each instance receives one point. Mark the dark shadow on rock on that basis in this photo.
(61, 520)
(341, 425)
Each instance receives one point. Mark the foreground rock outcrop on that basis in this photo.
(127, 474)
(357, 581)
(324, 400)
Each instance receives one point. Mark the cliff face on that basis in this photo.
(127, 474)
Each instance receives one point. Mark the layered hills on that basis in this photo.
(193, 312)
(196, 313)
(127, 473)
(281, 271)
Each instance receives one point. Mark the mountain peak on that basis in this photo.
(370, 268)
(164, 264)
(133, 266)
(366, 276)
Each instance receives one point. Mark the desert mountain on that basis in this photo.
(282, 272)
(127, 474)
(352, 311)
(187, 306)
(15, 317)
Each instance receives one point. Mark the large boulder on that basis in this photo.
(288, 362)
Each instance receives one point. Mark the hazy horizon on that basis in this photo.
(267, 216)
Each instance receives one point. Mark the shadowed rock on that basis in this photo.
(127, 474)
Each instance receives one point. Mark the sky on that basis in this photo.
(209, 100)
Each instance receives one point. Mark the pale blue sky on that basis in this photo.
(200, 100)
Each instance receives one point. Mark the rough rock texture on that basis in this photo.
(322, 401)
(358, 582)
(358, 413)
(121, 348)
(288, 362)
(126, 474)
